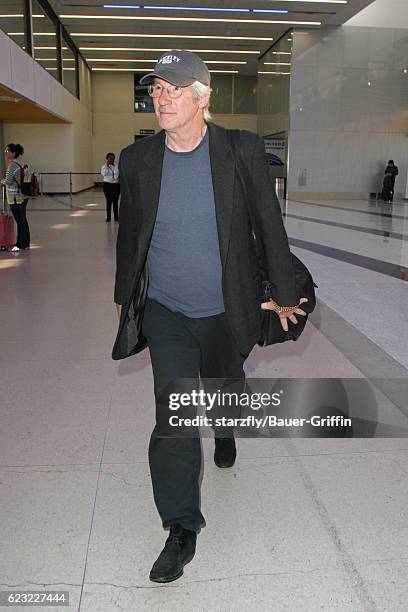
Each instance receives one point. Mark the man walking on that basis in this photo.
(184, 216)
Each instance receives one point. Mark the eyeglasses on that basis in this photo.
(156, 90)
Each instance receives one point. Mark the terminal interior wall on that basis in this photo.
(116, 123)
(348, 110)
(53, 147)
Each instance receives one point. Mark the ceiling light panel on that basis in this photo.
(116, 60)
(144, 35)
(144, 49)
(193, 19)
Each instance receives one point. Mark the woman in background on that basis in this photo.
(15, 197)
(111, 187)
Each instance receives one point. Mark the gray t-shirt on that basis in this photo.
(184, 256)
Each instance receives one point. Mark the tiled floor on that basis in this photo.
(297, 525)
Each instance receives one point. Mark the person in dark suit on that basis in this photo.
(391, 172)
(184, 222)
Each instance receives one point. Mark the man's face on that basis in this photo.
(174, 114)
(111, 159)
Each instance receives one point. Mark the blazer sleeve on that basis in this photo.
(274, 238)
(126, 240)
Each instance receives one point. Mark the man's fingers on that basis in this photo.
(284, 323)
(300, 311)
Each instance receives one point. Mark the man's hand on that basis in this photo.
(119, 309)
(289, 314)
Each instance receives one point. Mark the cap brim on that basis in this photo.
(167, 75)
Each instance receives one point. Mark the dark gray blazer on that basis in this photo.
(140, 169)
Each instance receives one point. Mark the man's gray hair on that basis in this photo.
(201, 91)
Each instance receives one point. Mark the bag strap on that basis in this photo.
(19, 184)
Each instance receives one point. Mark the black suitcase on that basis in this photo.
(387, 193)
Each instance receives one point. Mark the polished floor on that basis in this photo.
(297, 525)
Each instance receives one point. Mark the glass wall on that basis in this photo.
(273, 102)
(44, 30)
(221, 97)
(244, 101)
(231, 95)
(142, 101)
(69, 67)
(13, 25)
(45, 39)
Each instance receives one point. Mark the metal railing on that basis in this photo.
(70, 175)
(280, 183)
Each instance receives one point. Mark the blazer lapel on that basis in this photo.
(149, 169)
(223, 173)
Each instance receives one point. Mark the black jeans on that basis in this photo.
(183, 348)
(23, 231)
(112, 193)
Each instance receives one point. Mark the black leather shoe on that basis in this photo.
(178, 550)
(225, 452)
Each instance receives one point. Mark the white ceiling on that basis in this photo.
(167, 34)
(383, 14)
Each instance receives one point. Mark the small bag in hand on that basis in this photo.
(272, 331)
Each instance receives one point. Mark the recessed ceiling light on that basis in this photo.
(269, 11)
(193, 19)
(153, 61)
(149, 69)
(144, 49)
(194, 8)
(121, 69)
(53, 59)
(143, 35)
(19, 15)
(197, 8)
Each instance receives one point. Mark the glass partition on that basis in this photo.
(244, 95)
(273, 102)
(221, 97)
(69, 68)
(45, 39)
(142, 101)
(12, 20)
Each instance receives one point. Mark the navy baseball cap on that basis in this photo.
(180, 68)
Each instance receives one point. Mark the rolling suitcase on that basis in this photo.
(7, 237)
(388, 188)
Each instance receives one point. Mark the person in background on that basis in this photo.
(111, 187)
(392, 169)
(15, 198)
